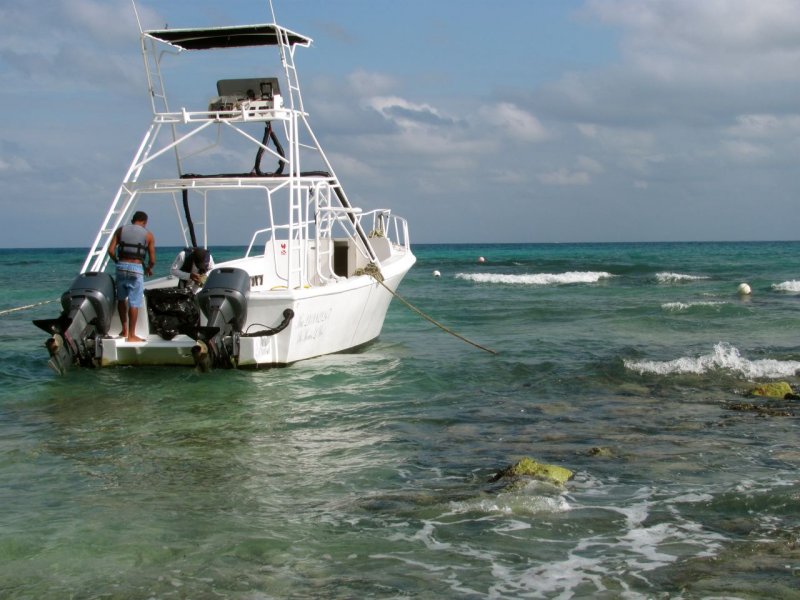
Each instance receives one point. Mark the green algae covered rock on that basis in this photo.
(777, 389)
(602, 452)
(527, 467)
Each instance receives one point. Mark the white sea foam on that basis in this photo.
(596, 561)
(665, 277)
(645, 544)
(592, 565)
(787, 286)
(513, 525)
(537, 278)
(724, 358)
(693, 497)
(685, 306)
(513, 503)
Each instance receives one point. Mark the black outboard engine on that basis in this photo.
(223, 301)
(87, 307)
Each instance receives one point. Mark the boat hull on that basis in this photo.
(328, 319)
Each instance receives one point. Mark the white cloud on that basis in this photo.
(765, 125)
(708, 40)
(510, 176)
(408, 114)
(70, 42)
(350, 167)
(515, 122)
(634, 148)
(590, 165)
(107, 21)
(421, 130)
(731, 24)
(14, 164)
(363, 83)
(564, 177)
(740, 150)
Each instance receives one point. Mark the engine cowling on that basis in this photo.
(223, 301)
(87, 308)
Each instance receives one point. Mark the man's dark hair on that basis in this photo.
(201, 258)
(139, 216)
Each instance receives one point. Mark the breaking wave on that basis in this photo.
(513, 504)
(685, 306)
(787, 286)
(724, 358)
(537, 278)
(665, 277)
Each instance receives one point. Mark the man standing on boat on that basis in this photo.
(129, 247)
(191, 267)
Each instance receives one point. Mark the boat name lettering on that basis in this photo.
(315, 317)
(311, 333)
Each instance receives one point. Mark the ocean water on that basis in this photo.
(367, 475)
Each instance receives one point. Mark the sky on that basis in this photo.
(514, 121)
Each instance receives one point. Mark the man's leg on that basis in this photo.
(135, 300)
(133, 315)
(122, 308)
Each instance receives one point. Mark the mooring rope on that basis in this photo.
(373, 270)
(10, 310)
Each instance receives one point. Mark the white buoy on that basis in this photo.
(744, 289)
(437, 274)
(481, 259)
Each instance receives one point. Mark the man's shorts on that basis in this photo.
(130, 287)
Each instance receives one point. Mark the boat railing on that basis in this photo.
(383, 225)
(267, 232)
(276, 243)
(282, 254)
(333, 222)
(389, 226)
(239, 115)
(347, 220)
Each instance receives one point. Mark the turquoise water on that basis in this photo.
(366, 475)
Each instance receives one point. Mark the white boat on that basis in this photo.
(317, 275)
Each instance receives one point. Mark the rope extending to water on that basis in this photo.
(373, 270)
(10, 310)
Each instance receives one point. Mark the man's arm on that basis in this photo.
(151, 249)
(112, 247)
(175, 269)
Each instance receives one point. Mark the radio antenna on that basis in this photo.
(136, 12)
(272, 10)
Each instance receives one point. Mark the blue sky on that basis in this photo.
(515, 121)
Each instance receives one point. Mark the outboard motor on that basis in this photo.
(223, 301)
(87, 307)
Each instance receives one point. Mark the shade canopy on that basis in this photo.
(209, 38)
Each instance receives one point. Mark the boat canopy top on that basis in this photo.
(209, 38)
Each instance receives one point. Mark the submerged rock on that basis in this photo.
(777, 389)
(763, 411)
(601, 451)
(527, 467)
